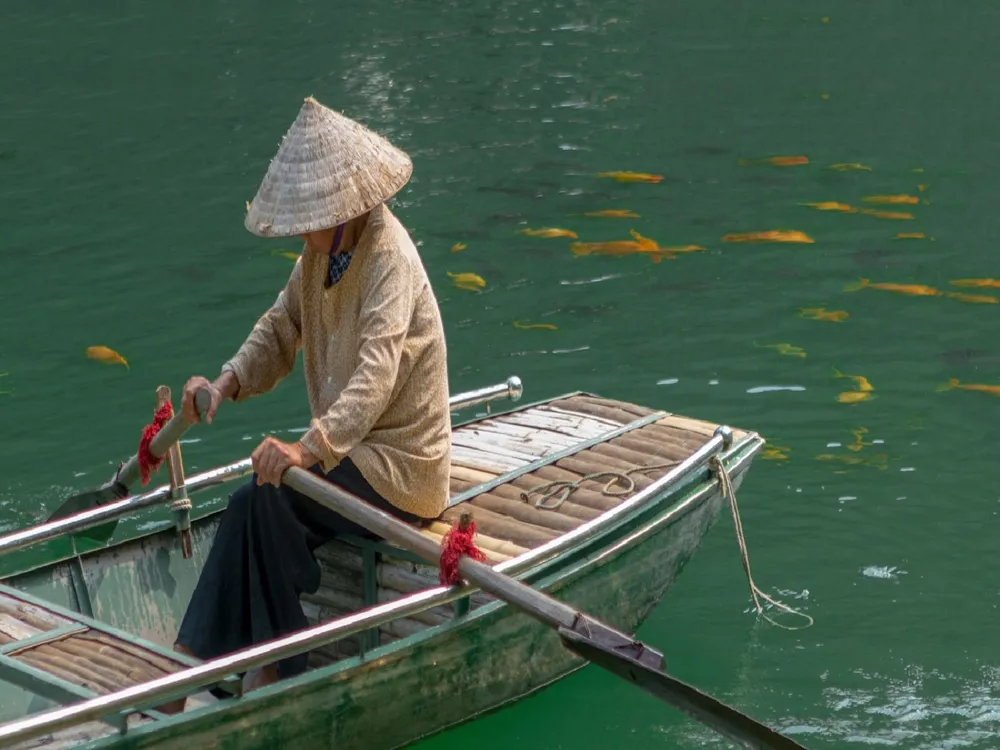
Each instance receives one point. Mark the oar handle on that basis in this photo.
(169, 434)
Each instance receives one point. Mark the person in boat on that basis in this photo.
(359, 305)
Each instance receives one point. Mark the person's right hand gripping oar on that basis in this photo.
(200, 397)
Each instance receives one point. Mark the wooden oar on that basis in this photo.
(118, 486)
(600, 644)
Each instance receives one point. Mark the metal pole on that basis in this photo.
(511, 389)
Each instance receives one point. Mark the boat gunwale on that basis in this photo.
(740, 453)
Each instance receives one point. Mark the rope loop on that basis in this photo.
(619, 483)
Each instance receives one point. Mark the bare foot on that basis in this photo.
(177, 706)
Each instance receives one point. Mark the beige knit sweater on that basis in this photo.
(375, 365)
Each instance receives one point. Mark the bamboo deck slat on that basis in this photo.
(94, 660)
(507, 525)
(15, 630)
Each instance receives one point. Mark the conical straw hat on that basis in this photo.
(328, 170)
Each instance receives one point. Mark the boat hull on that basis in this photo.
(447, 675)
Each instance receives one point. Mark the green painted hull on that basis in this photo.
(446, 675)
(407, 689)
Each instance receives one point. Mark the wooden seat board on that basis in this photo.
(516, 432)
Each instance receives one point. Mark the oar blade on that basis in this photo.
(99, 534)
(85, 501)
(706, 709)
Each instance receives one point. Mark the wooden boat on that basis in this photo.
(92, 628)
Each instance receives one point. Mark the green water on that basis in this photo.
(131, 136)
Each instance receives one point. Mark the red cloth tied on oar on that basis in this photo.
(148, 463)
(457, 542)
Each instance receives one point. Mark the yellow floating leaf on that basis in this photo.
(788, 350)
(638, 244)
(821, 313)
(886, 214)
(892, 199)
(875, 460)
(777, 161)
(850, 166)
(878, 461)
(992, 390)
(839, 458)
(917, 290)
(631, 176)
(774, 235)
(775, 453)
(860, 380)
(976, 299)
(991, 283)
(854, 397)
(549, 233)
(614, 213)
(672, 251)
(859, 441)
(531, 326)
(832, 206)
(470, 282)
(106, 355)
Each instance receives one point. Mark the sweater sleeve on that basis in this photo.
(268, 354)
(383, 325)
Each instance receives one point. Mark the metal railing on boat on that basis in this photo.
(511, 389)
(160, 690)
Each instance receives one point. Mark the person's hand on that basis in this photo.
(188, 408)
(272, 458)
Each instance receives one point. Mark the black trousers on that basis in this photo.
(262, 560)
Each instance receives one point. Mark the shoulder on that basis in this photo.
(390, 245)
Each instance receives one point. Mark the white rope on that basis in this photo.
(181, 503)
(728, 491)
(554, 494)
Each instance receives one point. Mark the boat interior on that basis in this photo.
(527, 476)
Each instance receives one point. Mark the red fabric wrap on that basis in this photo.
(457, 542)
(148, 463)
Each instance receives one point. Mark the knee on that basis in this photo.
(239, 501)
(251, 499)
